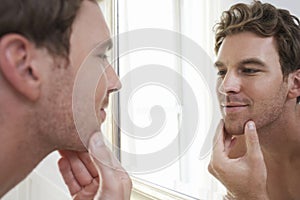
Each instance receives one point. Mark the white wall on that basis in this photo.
(292, 5)
(44, 182)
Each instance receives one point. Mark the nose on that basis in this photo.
(231, 83)
(113, 81)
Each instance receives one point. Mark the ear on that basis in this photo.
(17, 67)
(294, 90)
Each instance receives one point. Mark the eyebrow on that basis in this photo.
(103, 46)
(248, 61)
(108, 44)
(252, 61)
(218, 64)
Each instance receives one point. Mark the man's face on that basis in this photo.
(90, 40)
(250, 84)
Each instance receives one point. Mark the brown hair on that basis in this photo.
(264, 20)
(47, 23)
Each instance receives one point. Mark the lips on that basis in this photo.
(102, 111)
(234, 103)
(234, 107)
(102, 114)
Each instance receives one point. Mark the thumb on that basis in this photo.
(252, 140)
(116, 183)
(101, 155)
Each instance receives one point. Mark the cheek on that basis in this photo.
(266, 89)
(217, 88)
(258, 91)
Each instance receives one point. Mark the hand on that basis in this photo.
(244, 177)
(81, 172)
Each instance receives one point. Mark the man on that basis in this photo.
(257, 144)
(42, 46)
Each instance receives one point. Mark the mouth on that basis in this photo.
(102, 109)
(102, 114)
(233, 108)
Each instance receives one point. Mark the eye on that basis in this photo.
(103, 56)
(221, 73)
(250, 70)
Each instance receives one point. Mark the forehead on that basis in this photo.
(88, 31)
(247, 45)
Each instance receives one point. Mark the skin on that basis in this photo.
(251, 88)
(249, 168)
(244, 78)
(36, 111)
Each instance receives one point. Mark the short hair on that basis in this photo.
(264, 20)
(46, 23)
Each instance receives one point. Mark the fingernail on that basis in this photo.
(251, 125)
(96, 140)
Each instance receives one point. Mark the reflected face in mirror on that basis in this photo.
(250, 83)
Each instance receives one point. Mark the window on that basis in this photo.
(163, 55)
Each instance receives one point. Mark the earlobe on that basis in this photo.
(16, 65)
(294, 91)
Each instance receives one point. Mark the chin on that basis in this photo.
(78, 143)
(234, 128)
(73, 146)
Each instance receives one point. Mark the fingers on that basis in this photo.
(88, 192)
(68, 176)
(218, 141)
(252, 141)
(223, 146)
(102, 157)
(223, 142)
(115, 181)
(86, 159)
(248, 167)
(78, 168)
(100, 153)
(217, 155)
(228, 143)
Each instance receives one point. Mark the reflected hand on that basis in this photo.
(244, 177)
(81, 170)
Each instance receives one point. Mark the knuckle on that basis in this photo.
(215, 169)
(210, 168)
(128, 182)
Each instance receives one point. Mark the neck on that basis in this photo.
(21, 150)
(280, 145)
(281, 139)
